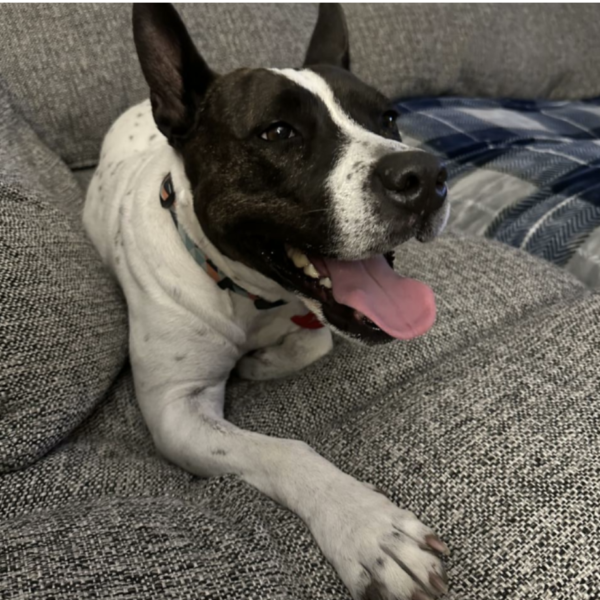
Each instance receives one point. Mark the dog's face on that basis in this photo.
(300, 175)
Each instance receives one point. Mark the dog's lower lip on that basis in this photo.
(360, 317)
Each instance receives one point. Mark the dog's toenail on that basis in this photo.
(437, 583)
(433, 541)
(419, 595)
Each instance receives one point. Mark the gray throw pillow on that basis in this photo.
(63, 322)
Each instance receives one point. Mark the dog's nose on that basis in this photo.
(414, 180)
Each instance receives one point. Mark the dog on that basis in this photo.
(246, 216)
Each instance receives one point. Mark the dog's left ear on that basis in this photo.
(176, 73)
(329, 43)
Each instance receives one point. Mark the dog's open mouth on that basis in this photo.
(364, 298)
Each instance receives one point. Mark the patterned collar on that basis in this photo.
(168, 201)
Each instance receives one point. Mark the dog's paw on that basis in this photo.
(296, 351)
(380, 551)
(262, 364)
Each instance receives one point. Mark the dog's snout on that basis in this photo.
(415, 180)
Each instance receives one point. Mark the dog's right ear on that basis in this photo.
(176, 73)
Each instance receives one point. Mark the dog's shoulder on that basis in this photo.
(133, 133)
(132, 148)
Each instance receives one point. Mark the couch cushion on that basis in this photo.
(84, 177)
(63, 328)
(522, 172)
(486, 427)
(493, 50)
(73, 68)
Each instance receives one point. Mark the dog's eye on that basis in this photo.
(278, 131)
(389, 120)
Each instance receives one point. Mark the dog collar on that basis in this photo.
(168, 201)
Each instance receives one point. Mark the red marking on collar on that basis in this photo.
(307, 321)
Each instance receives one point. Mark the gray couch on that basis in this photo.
(487, 427)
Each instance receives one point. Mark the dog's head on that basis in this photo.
(300, 174)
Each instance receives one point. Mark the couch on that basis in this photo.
(487, 427)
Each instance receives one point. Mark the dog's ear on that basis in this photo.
(176, 73)
(329, 43)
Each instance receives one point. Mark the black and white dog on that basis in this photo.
(240, 213)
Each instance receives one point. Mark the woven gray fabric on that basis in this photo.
(73, 68)
(63, 329)
(83, 178)
(487, 427)
(492, 50)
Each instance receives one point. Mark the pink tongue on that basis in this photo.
(404, 308)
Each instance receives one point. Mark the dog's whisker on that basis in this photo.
(316, 210)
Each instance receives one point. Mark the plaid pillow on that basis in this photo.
(526, 173)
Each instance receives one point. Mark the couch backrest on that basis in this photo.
(73, 69)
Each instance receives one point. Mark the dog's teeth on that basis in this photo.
(311, 271)
(325, 282)
(300, 260)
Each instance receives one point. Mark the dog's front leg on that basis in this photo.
(379, 550)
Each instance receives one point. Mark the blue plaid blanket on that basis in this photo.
(523, 172)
